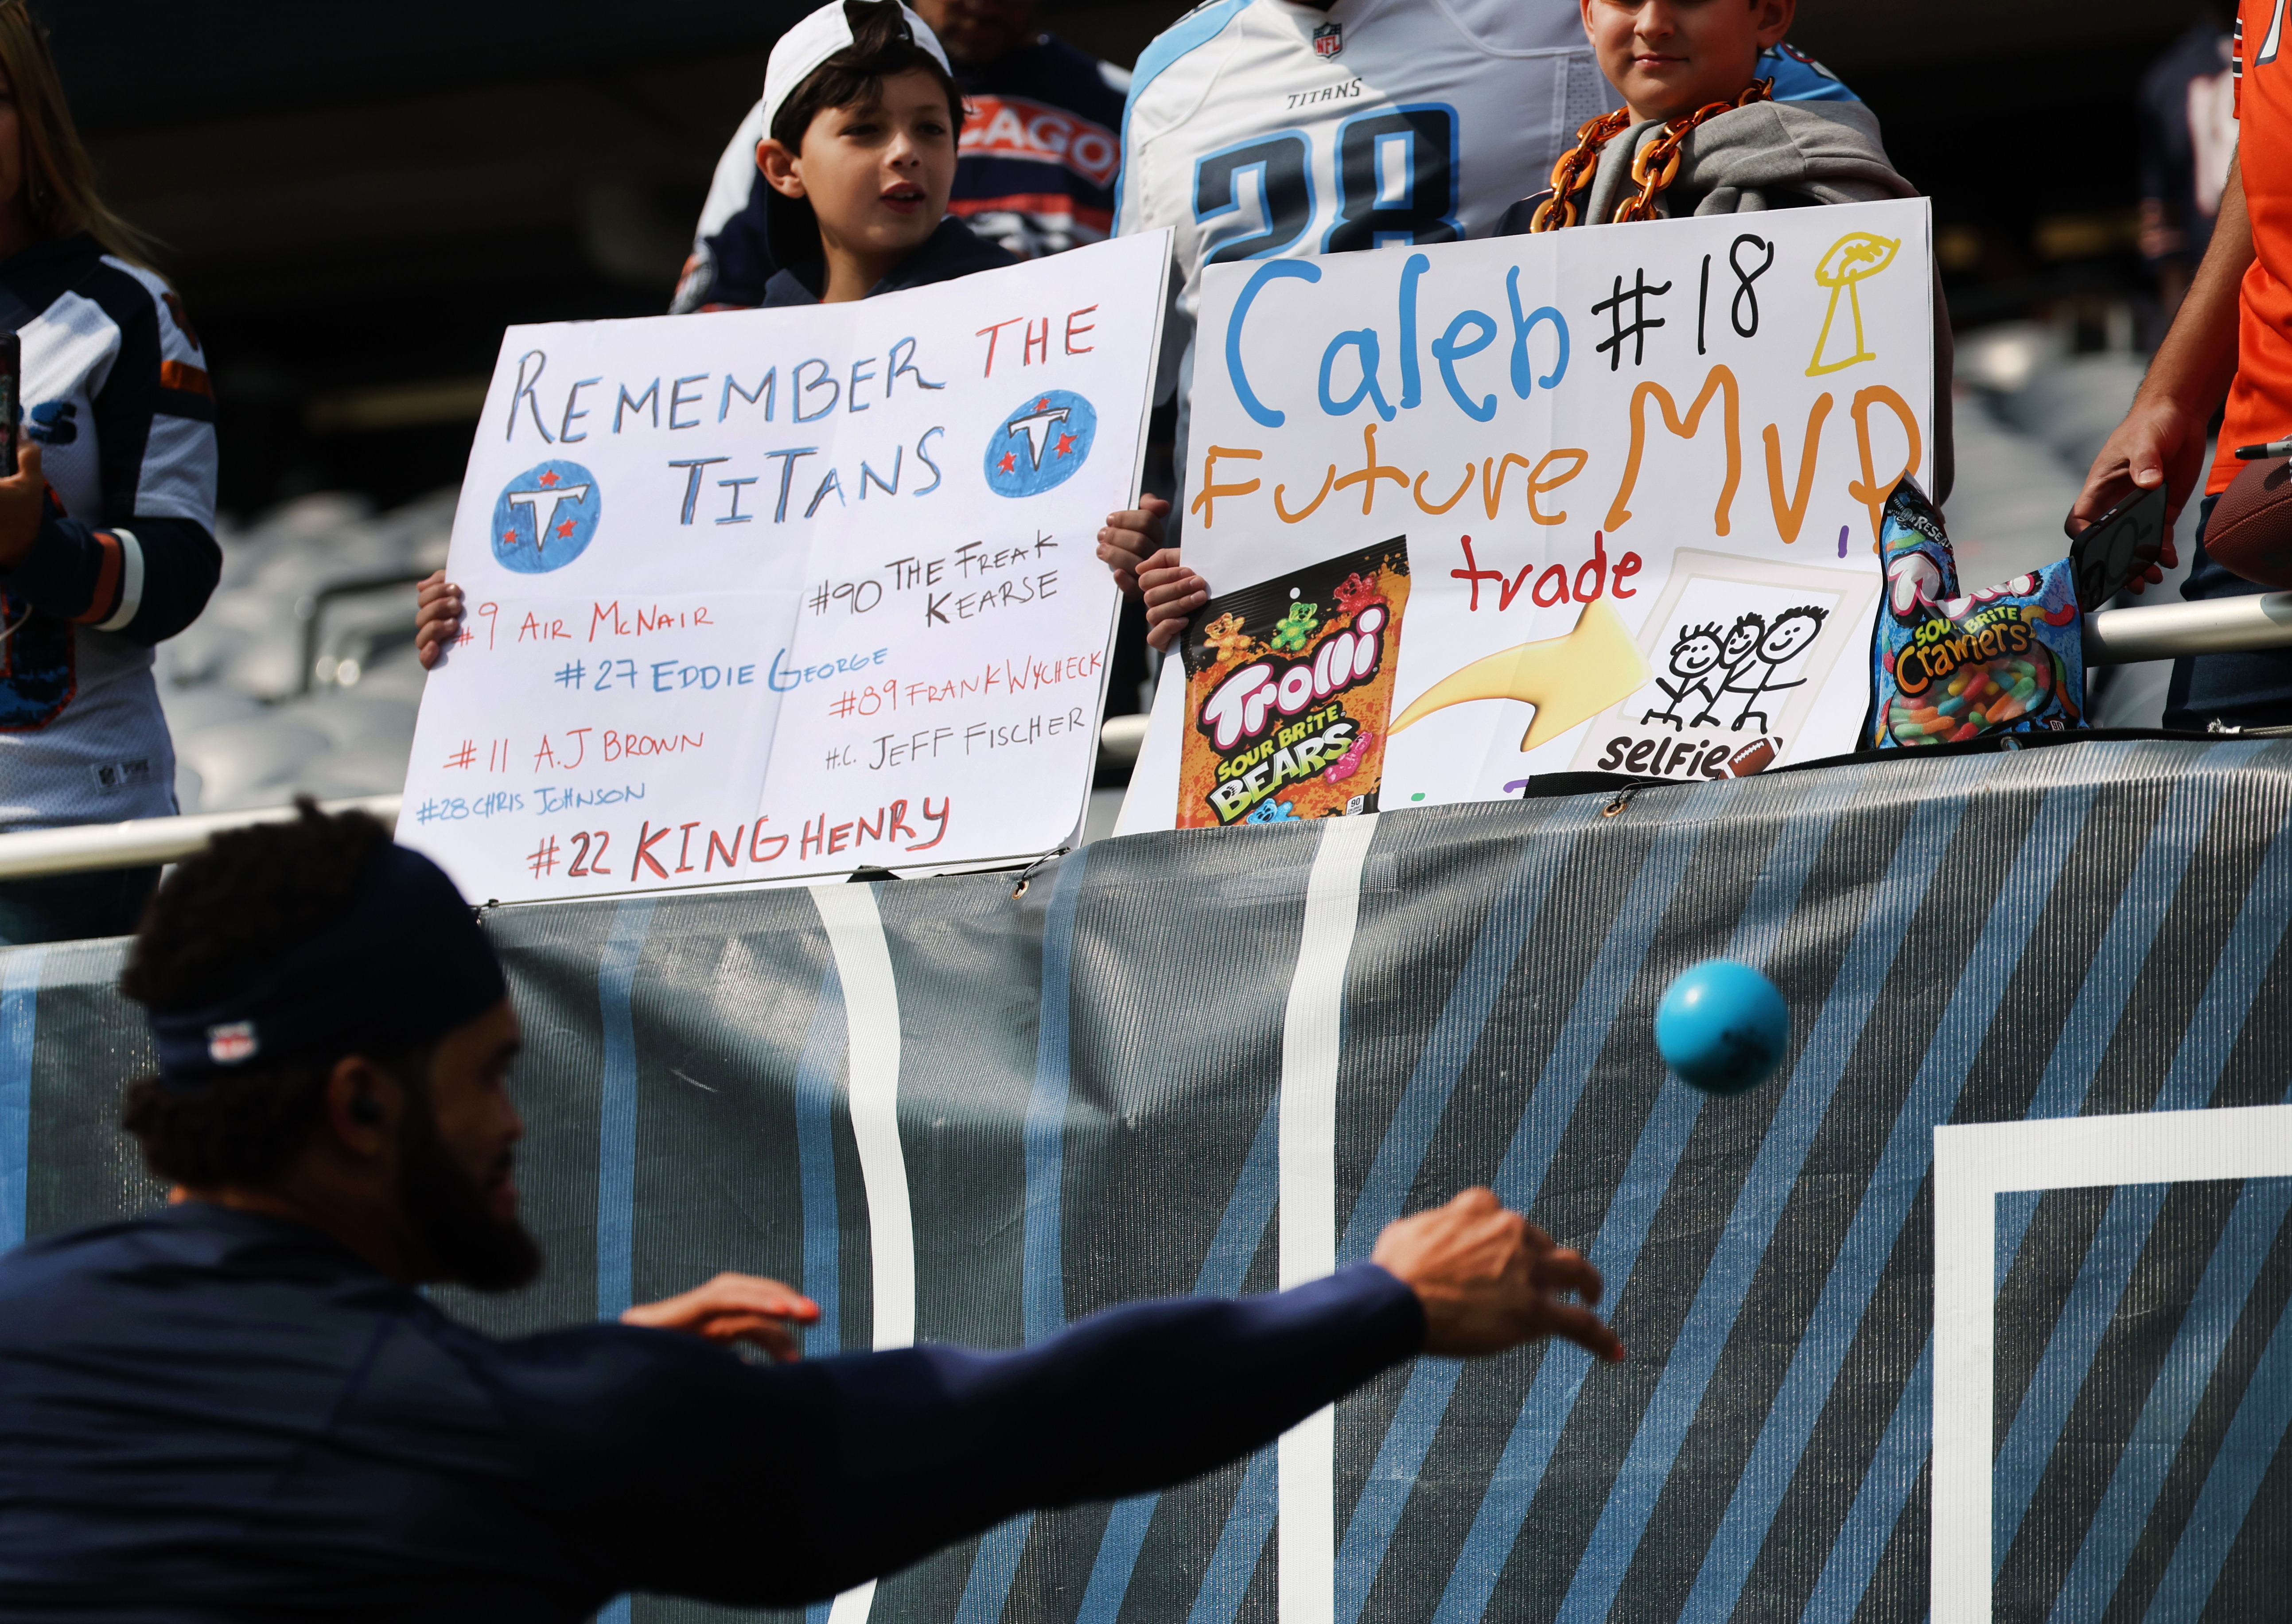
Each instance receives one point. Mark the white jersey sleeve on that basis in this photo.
(1262, 129)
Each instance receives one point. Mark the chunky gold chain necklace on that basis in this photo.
(1654, 166)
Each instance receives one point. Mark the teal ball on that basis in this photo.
(1722, 1027)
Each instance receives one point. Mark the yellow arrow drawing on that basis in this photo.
(1568, 679)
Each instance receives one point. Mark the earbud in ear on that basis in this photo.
(365, 1109)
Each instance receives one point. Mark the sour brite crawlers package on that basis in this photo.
(1289, 684)
(1947, 666)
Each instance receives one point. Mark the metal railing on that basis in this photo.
(2170, 631)
(2112, 637)
(1119, 740)
(144, 841)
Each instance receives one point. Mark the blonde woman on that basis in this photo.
(107, 541)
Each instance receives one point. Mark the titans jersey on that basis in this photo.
(1264, 129)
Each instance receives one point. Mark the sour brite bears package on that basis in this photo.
(1947, 666)
(1288, 683)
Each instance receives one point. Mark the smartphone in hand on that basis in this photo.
(2118, 548)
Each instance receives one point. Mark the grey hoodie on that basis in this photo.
(1772, 155)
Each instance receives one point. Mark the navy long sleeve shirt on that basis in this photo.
(209, 1414)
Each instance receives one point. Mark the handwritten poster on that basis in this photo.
(761, 594)
(1636, 472)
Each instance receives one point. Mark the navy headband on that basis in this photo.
(404, 964)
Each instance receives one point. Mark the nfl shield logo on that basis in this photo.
(1328, 39)
(231, 1043)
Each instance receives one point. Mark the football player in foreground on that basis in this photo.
(244, 1403)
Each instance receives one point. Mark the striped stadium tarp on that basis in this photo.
(1215, 1060)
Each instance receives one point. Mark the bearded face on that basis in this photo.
(457, 1215)
(456, 1158)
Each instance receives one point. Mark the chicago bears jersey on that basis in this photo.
(1040, 147)
(1261, 129)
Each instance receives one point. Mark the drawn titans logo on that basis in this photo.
(1042, 444)
(544, 517)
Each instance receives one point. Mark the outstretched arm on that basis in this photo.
(937, 1443)
(860, 1466)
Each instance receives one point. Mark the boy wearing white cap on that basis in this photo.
(863, 114)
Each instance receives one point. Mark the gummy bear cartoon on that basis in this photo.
(1297, 627)
(1348, 764)
(1271, 812)
(1356, 592)
(1225, 634)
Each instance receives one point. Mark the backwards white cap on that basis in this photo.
(803, 48)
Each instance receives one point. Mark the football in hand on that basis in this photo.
(2250, 531)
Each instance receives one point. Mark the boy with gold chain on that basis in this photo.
(1699, 133)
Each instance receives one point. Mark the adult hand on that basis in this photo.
(1130, 538)
(1173, 592)
(1489, 1279)
(437, 619)
(23, 499)
(733, 1308)
(2160, 442)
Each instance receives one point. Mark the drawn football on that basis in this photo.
(1854, 256)
(2251, 527)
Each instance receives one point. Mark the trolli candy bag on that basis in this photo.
(1288, 683)
(2008, 659)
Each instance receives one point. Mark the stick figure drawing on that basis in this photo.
(1695, 662)
(1792, 635)
(1737, 653)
